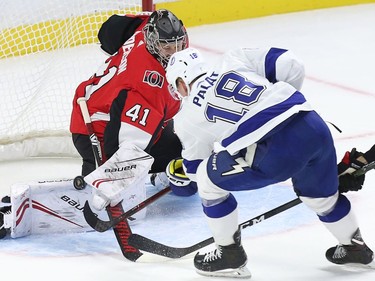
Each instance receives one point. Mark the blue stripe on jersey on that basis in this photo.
(222, 209)
(341, 209)
(270, 63)
(261, 118)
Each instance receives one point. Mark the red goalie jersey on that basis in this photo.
(127, 98)
(99, 89)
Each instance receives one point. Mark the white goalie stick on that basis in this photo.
(122, 230)
(156, 248)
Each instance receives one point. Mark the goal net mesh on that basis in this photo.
(47, 47)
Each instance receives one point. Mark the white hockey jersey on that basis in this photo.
(247, 94)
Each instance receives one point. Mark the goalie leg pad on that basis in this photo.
(47, 207)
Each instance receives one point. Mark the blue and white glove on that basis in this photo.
(180, 184)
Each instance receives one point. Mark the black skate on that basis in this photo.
(3, 230)
(225, 261)
(5, 199)
(357, 252)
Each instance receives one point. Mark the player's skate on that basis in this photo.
(357, 252)
(225, 261)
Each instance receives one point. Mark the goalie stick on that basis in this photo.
(151, 246)
(122, 230)
(101, 225)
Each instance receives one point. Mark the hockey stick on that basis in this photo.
(122, 230)
(78, 182)
(101, 226)
(151, 246)
(363, 170)
(90, 130)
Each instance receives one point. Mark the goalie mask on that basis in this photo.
(164, 34)
(187, 65)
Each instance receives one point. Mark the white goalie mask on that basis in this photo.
(188, 65)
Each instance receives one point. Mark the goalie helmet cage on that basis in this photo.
(48, 47)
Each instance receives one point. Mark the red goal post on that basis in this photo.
(148, 5)
(47, 47)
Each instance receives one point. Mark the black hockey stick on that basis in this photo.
(151, 246)
(363, 170)
(101, 225)
(122, 230)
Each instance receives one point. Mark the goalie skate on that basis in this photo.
(5, 213)
(356, 253)
(225, 261)
(5, 201)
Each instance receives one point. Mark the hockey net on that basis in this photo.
(47, 47)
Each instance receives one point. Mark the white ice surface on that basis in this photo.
(337, 46)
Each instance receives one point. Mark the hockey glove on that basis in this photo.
(349, 164)
(180, 184)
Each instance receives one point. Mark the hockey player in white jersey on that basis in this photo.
(244, 125)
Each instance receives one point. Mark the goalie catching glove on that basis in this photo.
(348, 165)
(180, 184)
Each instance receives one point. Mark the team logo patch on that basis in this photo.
(153, 78)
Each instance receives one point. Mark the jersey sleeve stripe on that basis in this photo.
(270, 63)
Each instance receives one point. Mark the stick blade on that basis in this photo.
(148, 245)
(156, 248)
(93, 220)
